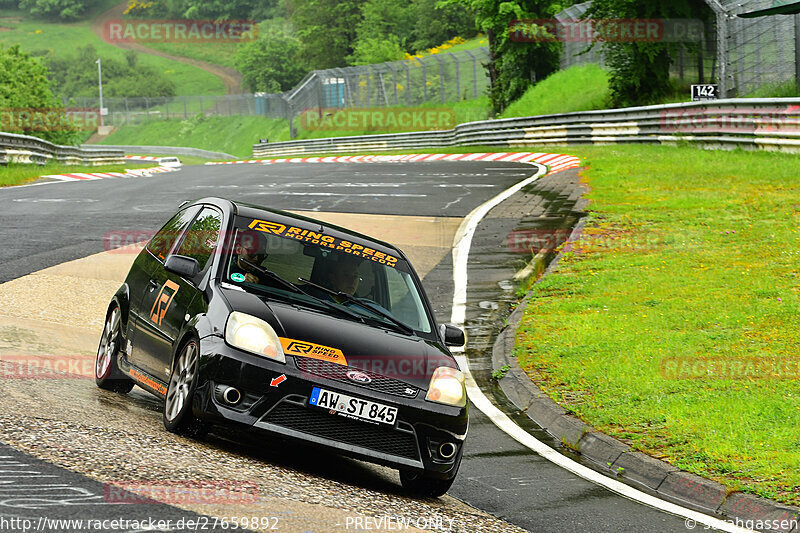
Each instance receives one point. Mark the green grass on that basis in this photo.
(218, 53)
(786, 89)
(64, 39)
(18, 174)
(236, 135)
(688, 254)
(579, 88)
(233, 135)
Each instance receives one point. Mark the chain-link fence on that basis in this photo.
(437, 78)
(693, 42)
(743, 55)
(142, 110)
(755, 53)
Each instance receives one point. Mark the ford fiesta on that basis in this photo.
(238, 314)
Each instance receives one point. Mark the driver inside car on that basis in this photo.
(344, 276)
(250, 247)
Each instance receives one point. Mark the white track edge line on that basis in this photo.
(461, 245)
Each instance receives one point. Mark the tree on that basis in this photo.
(640, 70)
(513, 66)
(56, 9)
(326, 30)
(26, 102)
(271, 63)
(377, 50)
(436, 23)
(77, 76)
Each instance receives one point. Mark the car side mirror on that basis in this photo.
(185, 267)
(452, 335)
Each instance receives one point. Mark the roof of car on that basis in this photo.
(255, 211)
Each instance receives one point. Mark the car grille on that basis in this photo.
(320, 423)
(339, 373)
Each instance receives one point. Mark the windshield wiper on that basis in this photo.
(295, 288)
(272, 275)
(369, 306)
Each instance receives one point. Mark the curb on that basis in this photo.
(619, 460)
(83, 176)
(555, 162)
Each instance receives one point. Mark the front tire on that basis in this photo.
(422, 485)
(107, 374)
(178, 416)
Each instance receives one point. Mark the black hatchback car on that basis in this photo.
(238, 314)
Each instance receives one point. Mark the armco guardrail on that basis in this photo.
(765, 124)
(16, 148)
(163, 150)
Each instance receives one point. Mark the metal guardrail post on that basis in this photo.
(797, 50)
(441, 77)
(474, 74)
(458, 77)
(408, 83)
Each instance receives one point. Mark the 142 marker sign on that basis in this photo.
(705, 91)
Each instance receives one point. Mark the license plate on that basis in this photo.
(353, 407)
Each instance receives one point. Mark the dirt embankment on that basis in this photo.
(230, 77)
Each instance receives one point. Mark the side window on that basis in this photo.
(165, 239)
(201, 239)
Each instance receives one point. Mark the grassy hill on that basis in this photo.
(62, 39)
(579, 88)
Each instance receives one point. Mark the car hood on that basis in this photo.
(308, 333)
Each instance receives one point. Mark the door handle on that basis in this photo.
(153, 285)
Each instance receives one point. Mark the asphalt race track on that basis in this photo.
(87, 431)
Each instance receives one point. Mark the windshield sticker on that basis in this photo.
(313, 351)
(304, 235)
(237, 276)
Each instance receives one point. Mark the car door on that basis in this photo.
(146, 263)
(164, 306)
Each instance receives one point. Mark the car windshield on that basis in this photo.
(371, 284)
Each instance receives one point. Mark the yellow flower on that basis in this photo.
(38, 31)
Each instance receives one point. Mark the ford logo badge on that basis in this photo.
(358, 377)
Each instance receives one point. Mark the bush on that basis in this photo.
(271, 63)
(26, 98)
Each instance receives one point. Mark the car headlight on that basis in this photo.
(253, 335)
(447, 386)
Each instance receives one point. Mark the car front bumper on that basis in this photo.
(274, 399)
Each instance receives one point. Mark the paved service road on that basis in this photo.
(43, 226)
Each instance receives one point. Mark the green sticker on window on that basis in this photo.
(237, 277)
